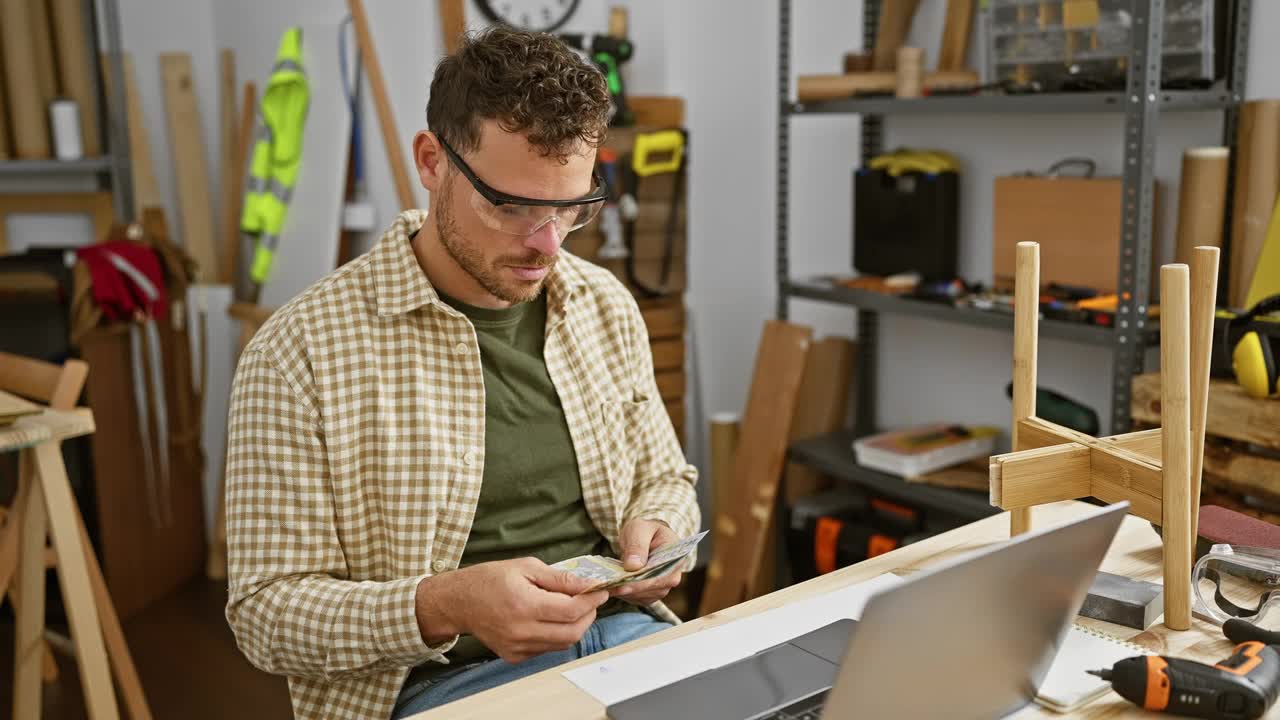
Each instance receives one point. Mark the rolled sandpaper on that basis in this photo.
(26, 110)
(910, 70)
(1202, 200)
(75, 69)
(1257, 182)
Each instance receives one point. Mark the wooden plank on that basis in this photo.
(190, 174)
(668, 354)
(663, 319)
(77, 591)
(1146, 443)
(1175, 399)
(1141, 476)
(229, 164)
(75, 69)
(233, 188)
(5, 150)
(815, 88)
(30, 609)
(1044, 475)
(146, 193)
(1026, 338)
(26, 111)
(382, 103)
(820, 409)
(453, 23)
(895, 21)
(1231, 414)
(1141, 504)
(42, 38)
(955, 35)
(762, 448)
(671, 384)
(1237, 470)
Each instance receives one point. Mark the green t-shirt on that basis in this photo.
(530, 496)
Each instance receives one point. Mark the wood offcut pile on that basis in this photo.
(1241, 447)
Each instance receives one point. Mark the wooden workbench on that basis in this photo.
(1136, 553)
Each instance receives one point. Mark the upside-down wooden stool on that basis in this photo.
(1157, 471)
(44, 507)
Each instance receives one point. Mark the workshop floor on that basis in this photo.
(187, 659)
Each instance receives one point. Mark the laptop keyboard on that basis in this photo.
(809, 708)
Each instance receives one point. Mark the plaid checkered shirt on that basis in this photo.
(355, 454)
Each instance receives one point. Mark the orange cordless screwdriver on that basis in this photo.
(1241, 687)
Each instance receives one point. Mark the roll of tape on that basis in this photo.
(64, 121)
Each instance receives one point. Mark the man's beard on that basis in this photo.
(470, 259)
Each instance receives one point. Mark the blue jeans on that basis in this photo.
(605, 633)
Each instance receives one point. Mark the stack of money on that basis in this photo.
(609, 572)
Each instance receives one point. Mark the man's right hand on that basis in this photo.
(517, 608)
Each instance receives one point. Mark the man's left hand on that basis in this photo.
(639, 538)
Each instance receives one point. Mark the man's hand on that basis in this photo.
(639, 537)
(517, 608)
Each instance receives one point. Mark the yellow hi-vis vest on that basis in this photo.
(277, 153)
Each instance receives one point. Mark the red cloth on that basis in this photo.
(115, 268)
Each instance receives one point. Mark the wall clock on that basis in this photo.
(536, 15)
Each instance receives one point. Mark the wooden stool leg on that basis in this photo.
(1026, 312)
(1175, 401)
(86, 631)
(30, 610)
(1204, 299)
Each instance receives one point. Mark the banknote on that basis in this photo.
(609, 572)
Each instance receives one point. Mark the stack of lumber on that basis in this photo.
(1241, 448)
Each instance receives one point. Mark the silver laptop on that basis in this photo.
(973, 638)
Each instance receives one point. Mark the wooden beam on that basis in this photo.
(190, 175)
(1135, 469)
(821, 408)
(955, 35)
(1143, 442)
(1044, 475)
(757, 463)
(1235, 470)
(1141, 504)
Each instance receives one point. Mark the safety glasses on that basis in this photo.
(1233, 581)
(517, 215)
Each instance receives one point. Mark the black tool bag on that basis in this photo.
(905, 223)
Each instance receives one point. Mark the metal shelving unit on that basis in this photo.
(830, 455)
(111, 170)
(1141, 104)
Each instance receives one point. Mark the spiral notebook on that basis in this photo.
(1068, 686)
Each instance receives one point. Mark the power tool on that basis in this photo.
(1241, 687)
(608, 53)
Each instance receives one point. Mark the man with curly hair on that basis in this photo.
(418, 437)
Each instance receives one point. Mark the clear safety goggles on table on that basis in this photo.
(517, 215)
(1234, 581)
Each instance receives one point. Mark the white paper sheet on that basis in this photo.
(630, 674)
